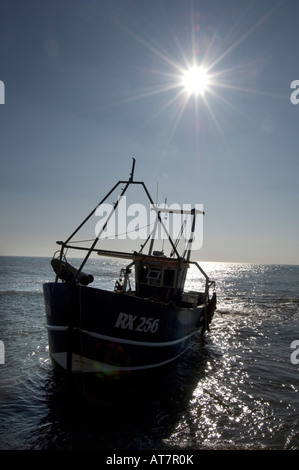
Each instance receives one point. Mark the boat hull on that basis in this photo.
(94, 331)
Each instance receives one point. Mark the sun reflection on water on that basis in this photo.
(246, 397)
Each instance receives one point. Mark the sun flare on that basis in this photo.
(193, 76)
(195, 80)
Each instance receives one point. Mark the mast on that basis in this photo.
(108, 218)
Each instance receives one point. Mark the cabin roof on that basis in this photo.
(160, 259)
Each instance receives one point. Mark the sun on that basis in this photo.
(195, 80)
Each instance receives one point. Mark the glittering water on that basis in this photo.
(236, 389)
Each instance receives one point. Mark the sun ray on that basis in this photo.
(246, 34)
(148, 93)
(172, 101)
(175, 124)
(167, 59)
(230, 105)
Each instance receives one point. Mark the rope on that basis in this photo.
(116, 235)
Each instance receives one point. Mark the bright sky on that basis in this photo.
(91, 84)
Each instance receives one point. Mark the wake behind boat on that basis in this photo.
(93, 330)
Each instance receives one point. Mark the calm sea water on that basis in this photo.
(236, 389)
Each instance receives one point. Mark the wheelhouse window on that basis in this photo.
(154, 276)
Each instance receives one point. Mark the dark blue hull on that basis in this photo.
(96, 331)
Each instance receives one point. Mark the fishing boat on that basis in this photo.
(94, 330)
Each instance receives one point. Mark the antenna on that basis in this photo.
(165, 217)
(132, 172)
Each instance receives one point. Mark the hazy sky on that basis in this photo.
(91, 84)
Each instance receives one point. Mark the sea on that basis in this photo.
(235, 389)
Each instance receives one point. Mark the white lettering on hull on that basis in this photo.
(135, 323)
